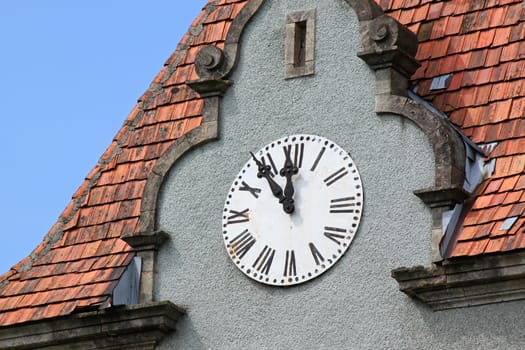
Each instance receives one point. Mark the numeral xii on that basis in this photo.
(296, 153)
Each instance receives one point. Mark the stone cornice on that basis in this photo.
(466, 282)
(387, 43)
(145, 240)
(213, 64)
(123, 327)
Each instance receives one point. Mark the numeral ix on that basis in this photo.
(238, 216)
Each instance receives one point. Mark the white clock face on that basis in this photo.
(280, 244)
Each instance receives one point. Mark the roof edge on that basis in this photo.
(123, 327)
(462, 282)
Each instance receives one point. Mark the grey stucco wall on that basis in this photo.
(356, 304)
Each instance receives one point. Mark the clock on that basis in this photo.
(293, 210)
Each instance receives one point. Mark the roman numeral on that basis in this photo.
(335, 234)
(342, 205)
(316, 254)
(289, 264)
(254, 191)
(242, 243)
(296, 153)
(263, 263)
(316, 162)
(335, 176)
(272, 163)
(238, 216)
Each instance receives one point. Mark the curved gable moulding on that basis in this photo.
(389, 48)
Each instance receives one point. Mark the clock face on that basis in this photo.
(281, 237)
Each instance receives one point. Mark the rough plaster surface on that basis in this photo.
(356, 304)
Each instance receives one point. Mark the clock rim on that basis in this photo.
(285, 139)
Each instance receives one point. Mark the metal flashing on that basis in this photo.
(441, 82)
(508, 223)
(127, 291)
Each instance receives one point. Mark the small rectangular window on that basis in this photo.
(300, 44)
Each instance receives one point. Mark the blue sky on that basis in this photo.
(70, 72)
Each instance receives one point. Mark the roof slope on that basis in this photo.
(481, 43)
(82, 257)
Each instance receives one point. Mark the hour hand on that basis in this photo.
(266, 172)
(288, 170)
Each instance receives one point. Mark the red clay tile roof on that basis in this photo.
(82, 257)
(481, 43)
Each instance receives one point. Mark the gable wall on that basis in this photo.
(356, 303)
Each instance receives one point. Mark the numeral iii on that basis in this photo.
(342, 205)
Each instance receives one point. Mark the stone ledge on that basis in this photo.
(123, 327)
(464, 282)
(441, 197)
(210, 87)
(151, 240)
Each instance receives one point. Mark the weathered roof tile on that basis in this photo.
(484, 97)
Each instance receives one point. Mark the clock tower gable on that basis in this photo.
(352, 90)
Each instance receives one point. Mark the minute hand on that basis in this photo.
(288, 170)
(264, 171)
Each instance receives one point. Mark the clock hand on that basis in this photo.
(288, 170)
(265, 171)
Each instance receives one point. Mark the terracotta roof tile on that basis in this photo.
(82, 257)
(495, 245)
(435, 10)
(478, 247)
(485, 97)
(482, 43)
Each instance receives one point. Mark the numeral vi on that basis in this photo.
(289, 264)
(263, 263)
